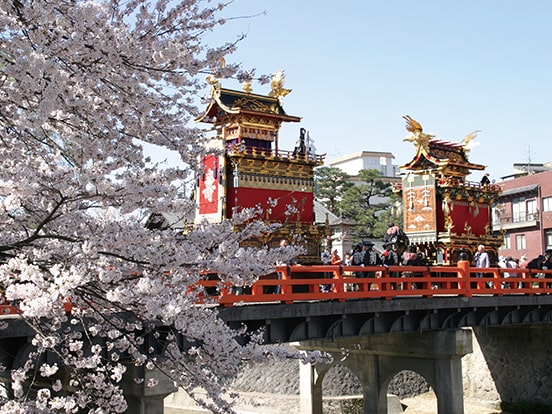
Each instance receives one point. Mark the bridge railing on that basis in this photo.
(291, 284)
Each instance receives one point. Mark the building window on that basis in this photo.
(531, 210)
(506, 242)
(520, 242)
(547, 204)
(548, 239)
(518, 210)
(524, 210)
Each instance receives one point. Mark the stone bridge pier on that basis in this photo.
(376, 359)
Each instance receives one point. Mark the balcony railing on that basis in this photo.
(517, 220)
(273, 154)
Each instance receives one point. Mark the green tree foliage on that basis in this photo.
(354, 208)
(374, 188)
(367, 204)
(370, 204)
(331, 184)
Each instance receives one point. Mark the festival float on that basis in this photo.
(247, 168)
(444, 214)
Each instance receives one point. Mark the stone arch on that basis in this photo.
(406, 384)
(326, 376)
(436, 371)
(345, 381)
(318, 376)
(321, 371)
(391, 368)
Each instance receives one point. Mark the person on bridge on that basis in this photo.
(481, 259)
(410, 257)
(369, 258)
(511, 263)
(390, 257)
(336, 259)
(348, 260)
(536, 263)
(357, 257)
(394, 234)
(326, 256)
(523, 261)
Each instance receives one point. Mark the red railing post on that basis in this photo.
(464, 277)
(255, 288)
(499, 286)
(338, 274)
(386, 286)
(284, 276)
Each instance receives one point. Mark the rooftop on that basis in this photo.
(361, 154)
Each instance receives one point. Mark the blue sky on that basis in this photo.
(356, 67)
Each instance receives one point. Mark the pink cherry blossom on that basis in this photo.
(85, 87)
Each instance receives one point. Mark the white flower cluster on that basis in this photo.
(83, 85)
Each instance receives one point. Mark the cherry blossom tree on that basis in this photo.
(84, 85)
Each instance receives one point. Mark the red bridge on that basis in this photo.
(292, 284)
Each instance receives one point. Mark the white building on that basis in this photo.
(367, 160)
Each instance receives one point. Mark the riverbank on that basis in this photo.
(266, 403)
(278, 392)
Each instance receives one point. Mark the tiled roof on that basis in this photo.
(321, 212)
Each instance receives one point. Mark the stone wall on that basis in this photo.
(511, 363)
(477, 380)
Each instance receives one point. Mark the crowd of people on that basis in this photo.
(398, 252)
(541, 262)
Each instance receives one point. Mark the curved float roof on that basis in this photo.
(229, 102)
(442, 155)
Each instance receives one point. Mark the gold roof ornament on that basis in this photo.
(468, 142)
(277, 85)
(417, 136)
(443, 158)
(247, 80)
(247, 87)
(214, 82)
(211, 80)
